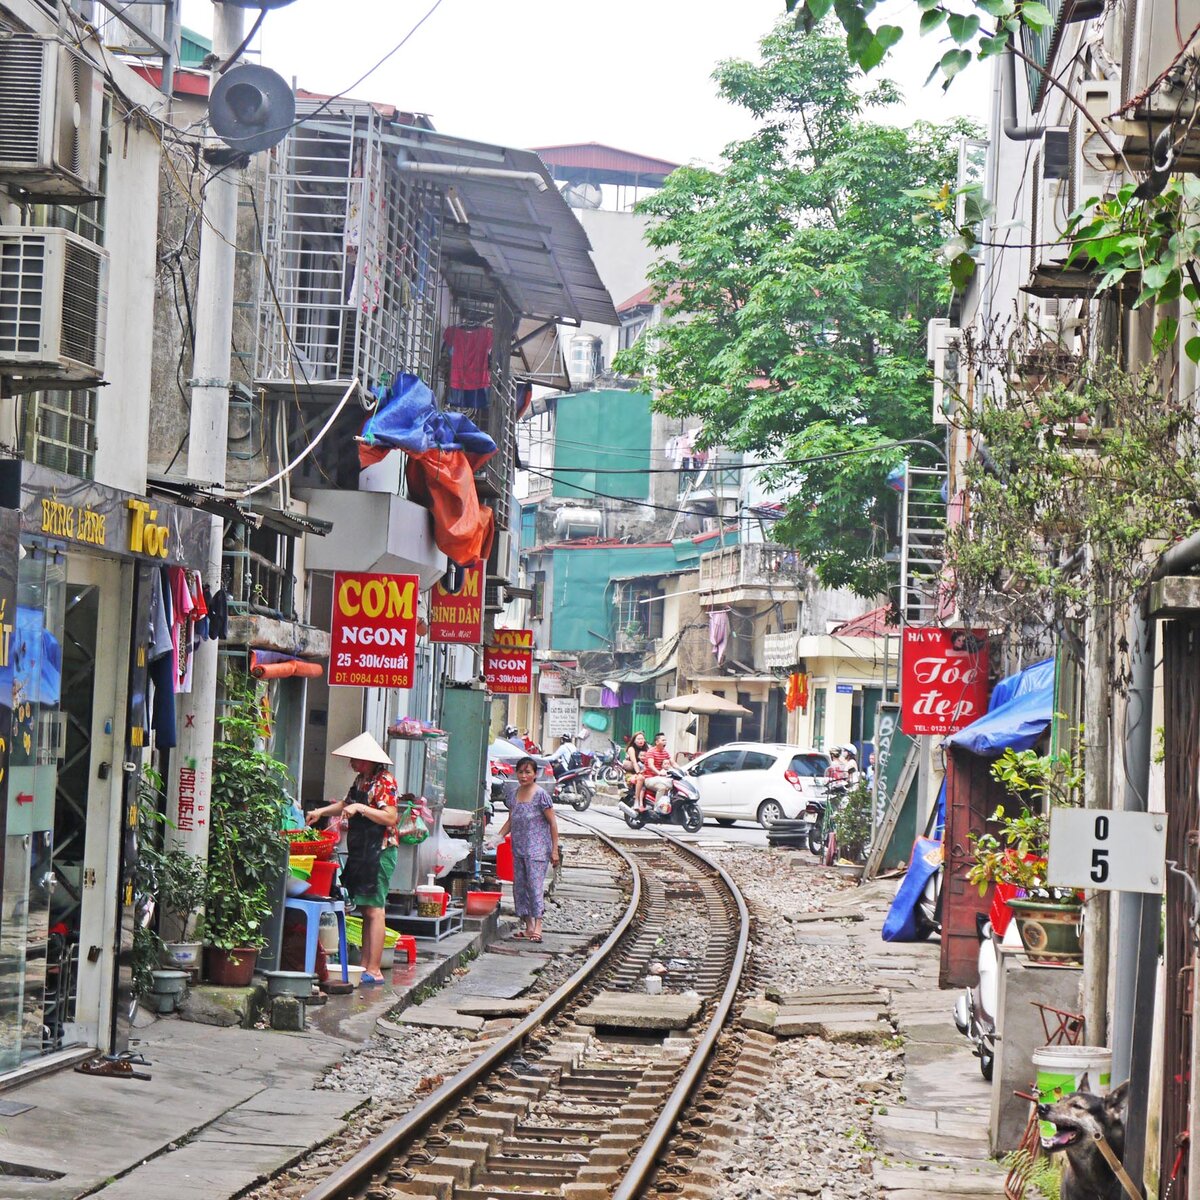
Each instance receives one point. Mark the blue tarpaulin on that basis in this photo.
(408, 419)
(1020, 709)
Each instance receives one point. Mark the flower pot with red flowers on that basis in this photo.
(1049, 919)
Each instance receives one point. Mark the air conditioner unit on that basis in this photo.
(1153, 33)
(1049, 213)
(591, 696)
(51, 116)
(1089, 178)
(941, 342)
(53, 304)
(502, 567)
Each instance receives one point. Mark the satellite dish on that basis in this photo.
(251, 108)
(583, 195)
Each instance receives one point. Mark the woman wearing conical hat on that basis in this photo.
(372, 842)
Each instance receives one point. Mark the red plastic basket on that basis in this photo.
(321, 850)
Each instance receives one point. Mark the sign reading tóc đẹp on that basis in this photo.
(374, 630)
(457, 617)
(508, 662)
(943, 679)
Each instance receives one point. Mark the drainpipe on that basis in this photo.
(1013, 131)
(1138, 912)
(424, 168)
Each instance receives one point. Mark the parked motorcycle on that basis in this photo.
(975, 1009)
(573, 784)
(678, 805)
(606, 766)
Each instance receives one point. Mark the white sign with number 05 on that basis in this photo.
(1107, 850)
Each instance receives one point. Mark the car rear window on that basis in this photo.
(809, 765)
(756, 760)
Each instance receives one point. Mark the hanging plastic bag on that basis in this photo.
(448, 851)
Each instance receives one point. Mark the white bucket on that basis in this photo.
(1060, 1071)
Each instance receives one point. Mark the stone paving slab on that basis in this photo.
(625, 1010)
(935, 1181)
(495, 1006)
(433, 1016)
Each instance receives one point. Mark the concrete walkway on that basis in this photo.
(228, 1107)
(934, 1144)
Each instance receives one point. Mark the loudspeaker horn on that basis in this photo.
(251, 108)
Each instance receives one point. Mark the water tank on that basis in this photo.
(584, 359)
(571, 522)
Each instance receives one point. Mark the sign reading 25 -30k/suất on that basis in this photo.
(374, 630)
(508, 662)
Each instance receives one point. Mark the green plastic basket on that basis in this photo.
(354, 934)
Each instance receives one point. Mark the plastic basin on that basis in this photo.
(479, 904)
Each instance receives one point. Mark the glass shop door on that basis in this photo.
(58, 892)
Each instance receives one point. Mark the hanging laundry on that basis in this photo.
(181, 632)
(470, 364)
(199, 609)
(718, 633)
(218, 615)
(609, 698)
(797, 692)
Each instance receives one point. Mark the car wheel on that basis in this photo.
(724, 822)
(769, 811)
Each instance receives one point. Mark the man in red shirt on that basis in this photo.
(657, 760)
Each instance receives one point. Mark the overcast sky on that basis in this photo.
(631, 73)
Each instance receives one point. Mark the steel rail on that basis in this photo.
(656, 1141)
(356, 1171)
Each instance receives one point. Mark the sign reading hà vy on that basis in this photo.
(943, 679)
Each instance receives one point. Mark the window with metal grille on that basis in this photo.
(60, 431)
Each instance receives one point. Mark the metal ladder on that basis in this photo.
(922, 547)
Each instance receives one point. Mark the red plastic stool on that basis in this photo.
(406, 944)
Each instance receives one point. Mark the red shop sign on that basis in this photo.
(943, 679)
(508, 663)
(458, 616)
(374, 630)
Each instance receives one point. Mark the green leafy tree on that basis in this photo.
(799, 280)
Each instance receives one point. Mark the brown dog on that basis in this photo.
(1077, 1119)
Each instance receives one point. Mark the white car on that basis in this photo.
(757, 781)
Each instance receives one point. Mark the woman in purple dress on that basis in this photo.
(535, 847)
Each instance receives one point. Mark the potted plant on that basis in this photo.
(182, 884)
(246, 856)
(1014, 856)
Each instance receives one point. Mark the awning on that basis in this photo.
(1019, 712)
(293, 524)
(517, 222)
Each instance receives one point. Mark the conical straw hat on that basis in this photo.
(365, 747)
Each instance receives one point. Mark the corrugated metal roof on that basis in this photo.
(593, 162)
(873, 623)
(530, 239)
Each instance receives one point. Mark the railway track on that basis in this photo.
(561, 1108)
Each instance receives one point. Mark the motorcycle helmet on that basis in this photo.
(849, 752)
(662, 806)
(511, 731)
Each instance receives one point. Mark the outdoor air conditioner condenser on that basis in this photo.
(51, 117)
(53, 305)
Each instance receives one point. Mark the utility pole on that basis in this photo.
(1097, 686)
(191, 771)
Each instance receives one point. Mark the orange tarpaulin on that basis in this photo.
(288, 669)
(444, 482)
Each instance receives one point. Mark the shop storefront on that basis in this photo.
(76, 671)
